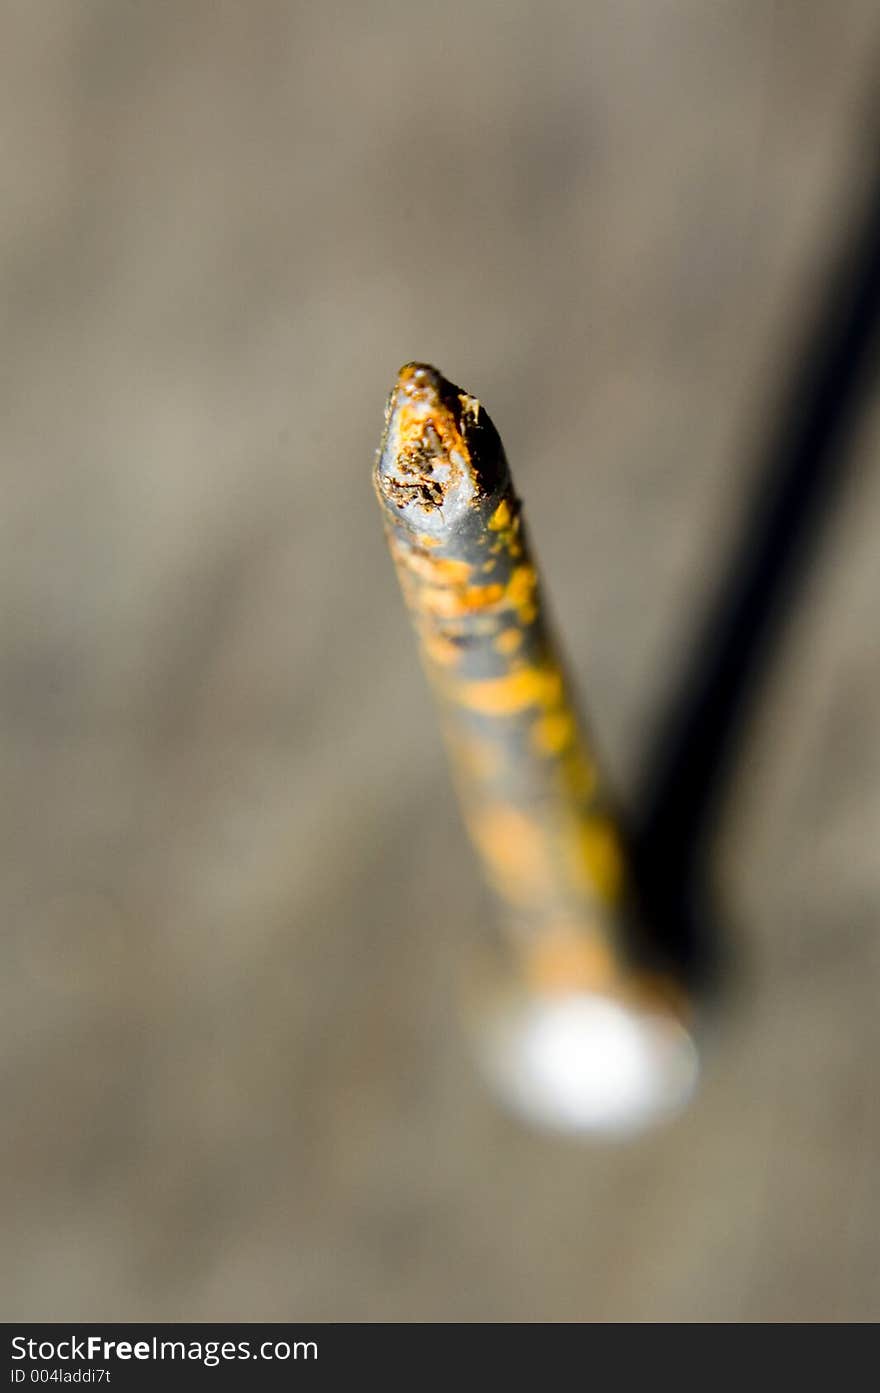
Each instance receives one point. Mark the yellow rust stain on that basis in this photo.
(579, 773)
(515, 691)
(425, 541)
(507, 524)
(514, 848)
(444, 588)
(508, 641)
(553, 732)
(521, 593)
(441, 585)
(566, 957)
(437, 570)
(501, 517)
(595, 858)
(441, 649)
(522, 584)
(456, 601)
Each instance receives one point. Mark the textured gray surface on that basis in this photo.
(234, 894)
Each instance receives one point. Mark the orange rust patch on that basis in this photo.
(552, 733)
(516, 691)
(522, 584)
(507, 524)
(501, 517)
(456, 601)
(438, 570)
(508, 641)
(596, 858)
(440, 649)
(580, 776)
(521, 591)
(569, 958)
(438, 585)
(514, 849)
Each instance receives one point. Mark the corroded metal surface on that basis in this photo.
(535, 805)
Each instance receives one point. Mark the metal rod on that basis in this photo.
(586, 1029)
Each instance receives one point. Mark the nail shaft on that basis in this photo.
(535, 804)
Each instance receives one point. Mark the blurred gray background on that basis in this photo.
(235, 890)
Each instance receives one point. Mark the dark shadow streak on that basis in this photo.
(804, 466)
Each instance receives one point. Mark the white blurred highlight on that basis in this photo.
(585, 1063)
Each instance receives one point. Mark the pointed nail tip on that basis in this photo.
(419, 382)
(439, 447)
(420, 374)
